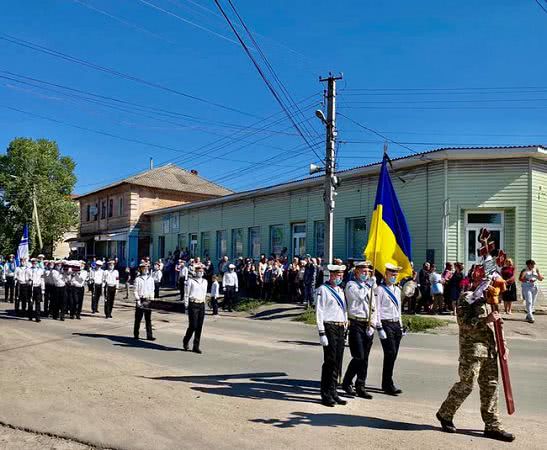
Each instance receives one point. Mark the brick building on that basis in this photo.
(112, 223)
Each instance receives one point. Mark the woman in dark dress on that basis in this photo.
(510, 295)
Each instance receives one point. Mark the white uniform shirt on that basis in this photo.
(358, 298)
(79, 278)
(9, 269)
(183, 273)
(37, 277)
(112, 278)
(98, 276)
(20, 275)
(386, 308)
(214, 289)
(196, 290)
(230, 279)
(144, 288)
(58, 278)
(157, 276)
(327, 308)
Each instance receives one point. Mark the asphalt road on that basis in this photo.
(256, 385)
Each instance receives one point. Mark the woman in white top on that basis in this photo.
(529, 278)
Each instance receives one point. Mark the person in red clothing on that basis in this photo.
(510, 295)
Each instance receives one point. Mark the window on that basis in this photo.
(120, 206)
(96, 211)
(205, 244)
(88, 213)
(474, 221)
(357, 237)
(161, 246)
(484, 218)
(221, 243)
(254, 242)
(193, 243)
(110, 207)
(181, 239)
(237, 242)
(103, 209)
(319, 238)
(299, 239)
(276, 239)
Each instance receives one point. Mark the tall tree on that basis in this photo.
(35, 168)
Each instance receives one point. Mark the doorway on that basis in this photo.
(299, 239)
(474, 221)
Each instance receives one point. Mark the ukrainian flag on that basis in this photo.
(389, 238)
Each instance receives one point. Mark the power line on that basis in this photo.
(541, 6)
(436, 89)
(446, 108)
(263, 76)
(406, 102)
(73, 59)
(376, 133)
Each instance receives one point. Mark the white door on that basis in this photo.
(299, 239)
(474, 221)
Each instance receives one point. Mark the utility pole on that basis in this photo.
(331, 182)
(35, 217)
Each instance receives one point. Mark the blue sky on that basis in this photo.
(425, 73)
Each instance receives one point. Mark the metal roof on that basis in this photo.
(451, 153)
(169, 177)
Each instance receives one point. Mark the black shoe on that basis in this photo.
(363, 394)
(62, 318)
(499, 435)
(328, 402)
(348, 389)
(38, 320)
(78, 317)
(197, 350)
(152, 338)
(447, 425)
(185, 347)
(30, 318)
(339, 401)
(71, 317)
(136, 337)
(393, 391)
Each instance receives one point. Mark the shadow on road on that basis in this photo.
(126, 341)
(311, 343)
(257, 386)
(342, 420)
(277, 313)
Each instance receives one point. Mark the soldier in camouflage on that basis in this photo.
(477, 359)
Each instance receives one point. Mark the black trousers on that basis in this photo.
(139, 313)
(229, 298)
(196, 315)
(9, 289)
(391, 349)
(58, 310)
(360, 344)
(76, 301)
(156, 289)
(109, 301)
(182, 285)
(97, 292)
(22, 298)
(214, 305)
(34, 313)
(332, 360)
(48, 298)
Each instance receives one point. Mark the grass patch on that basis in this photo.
(414, 324)
(250, 305)
(307, 317)
(417, 324)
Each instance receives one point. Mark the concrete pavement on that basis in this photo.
(255, 386)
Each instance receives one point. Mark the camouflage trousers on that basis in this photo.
(487, 371)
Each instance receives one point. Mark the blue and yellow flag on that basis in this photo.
(389, 238)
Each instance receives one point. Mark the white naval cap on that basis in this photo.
(99, 263)
(231, 266)
(336, 267)
(393, 267)
(367, 264)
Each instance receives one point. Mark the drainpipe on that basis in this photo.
(446, 212)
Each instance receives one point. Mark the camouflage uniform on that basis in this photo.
(477, 358)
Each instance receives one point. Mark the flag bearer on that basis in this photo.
(331, 317)
(194, 298)
(98, 283)
(390, 325)
(144, 293)
(112, 280)
(361, 301)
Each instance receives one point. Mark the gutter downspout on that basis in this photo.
(446, 212)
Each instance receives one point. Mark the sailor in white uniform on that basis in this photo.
(144, 293)
(331, 317)
(194, 298)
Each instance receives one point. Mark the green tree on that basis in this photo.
(35, 166)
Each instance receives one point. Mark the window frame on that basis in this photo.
(349, 237)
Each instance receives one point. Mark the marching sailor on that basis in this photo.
(157, 275)
(361, 301)
(331, 317)
(78, 287)
(49, 288)
(22, 281)
(230, 286)
(194, 299)
(390, 325)
(112, 281)
(36, 274)
(98, 283)
(59, 281)
(144, 293)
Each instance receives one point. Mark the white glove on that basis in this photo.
(323, 340)
(370, 331)
(139, 304)
(236, 289)
(372, 281)
(382, 333)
